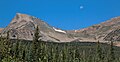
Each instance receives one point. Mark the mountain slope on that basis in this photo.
(1, 29)
(99, 31)
(22, 26)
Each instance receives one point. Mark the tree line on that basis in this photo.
(40, 51)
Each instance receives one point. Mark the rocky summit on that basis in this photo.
(23, 26)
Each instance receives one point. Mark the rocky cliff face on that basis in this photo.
(102, 31)
(23, 26)
(113, 35)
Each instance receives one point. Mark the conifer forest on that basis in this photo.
(16, 50)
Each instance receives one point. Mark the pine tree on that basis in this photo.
(1, 46)
(6, 49)
(16, 54)
(98, 52)
(7, 45)
(23, 55)
(35, 45)
(64, 52)
(111, 53)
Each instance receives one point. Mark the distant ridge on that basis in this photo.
(99, 31)
(23, 25)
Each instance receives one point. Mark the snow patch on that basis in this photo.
(75, 30)
(58, 30)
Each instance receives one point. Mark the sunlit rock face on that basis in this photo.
(23, 26)
(102, 31)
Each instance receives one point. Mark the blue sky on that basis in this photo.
(64, 14)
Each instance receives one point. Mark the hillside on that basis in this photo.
(1, 29)
(22, 26)
(101, 31)
(56, 45)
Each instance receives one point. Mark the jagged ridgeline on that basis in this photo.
(23, 26)
(28, 39)
(102, 31)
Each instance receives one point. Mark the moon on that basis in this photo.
(81, 7)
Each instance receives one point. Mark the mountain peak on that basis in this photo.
(22, 17)
(20, 14)
(23, 25)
